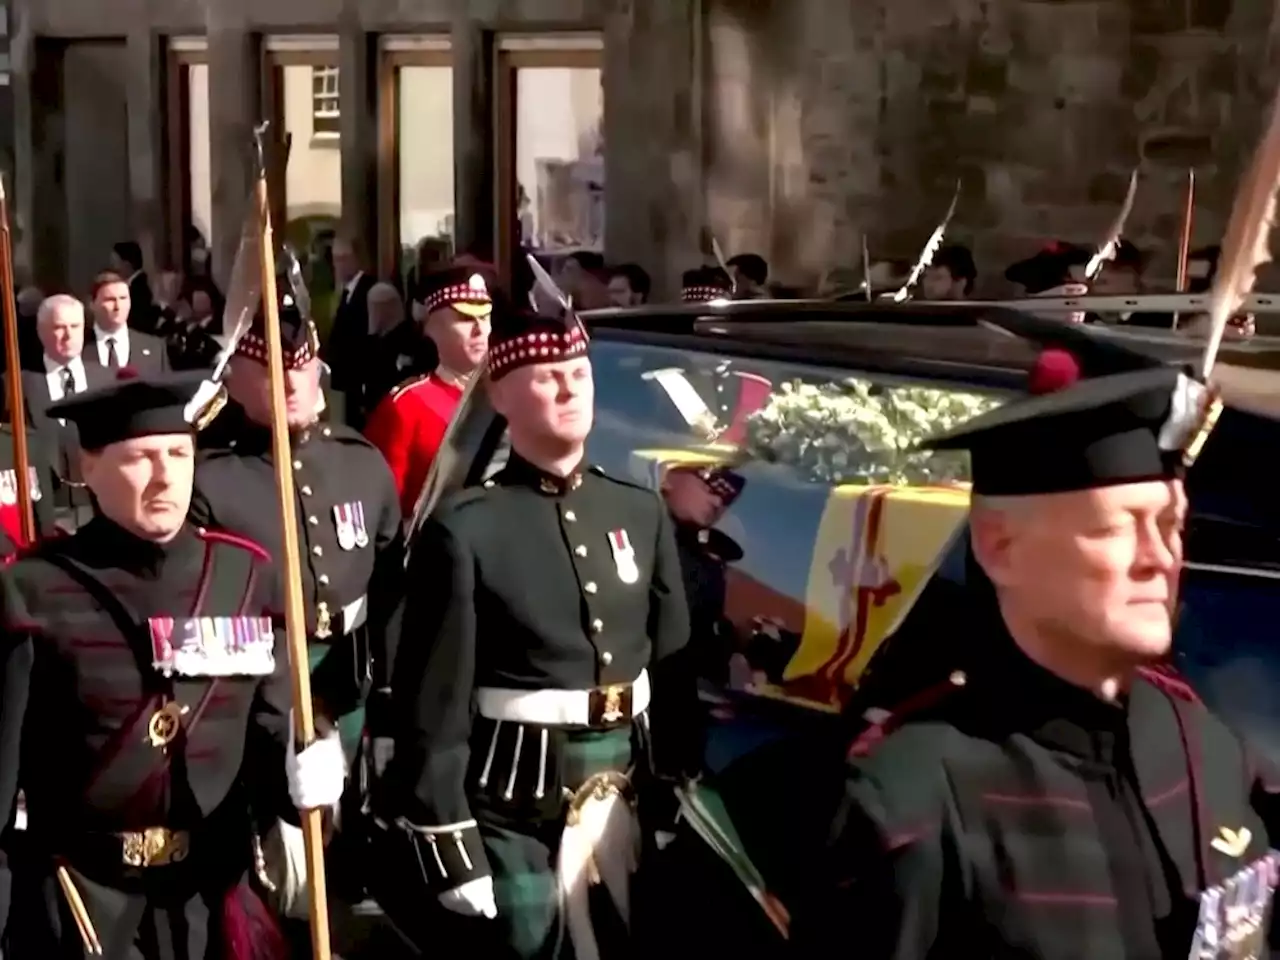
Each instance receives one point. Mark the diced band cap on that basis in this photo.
(1049, 268)
(705, 283)
(466, 288)
(299, 341)
(724, 483)
(521, 338)
(132, 406)
(1099, 432)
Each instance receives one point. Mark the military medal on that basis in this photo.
(323, 621)
(344, 520)
(357, 518)
(624, 556)
(33, 478)
(165, 723)
(8, 488)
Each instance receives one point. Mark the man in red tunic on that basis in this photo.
(409, 424)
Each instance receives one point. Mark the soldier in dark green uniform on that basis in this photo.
(539, 664)
(144, 698)
(1064, 796)
(698, 497)
(349, 530)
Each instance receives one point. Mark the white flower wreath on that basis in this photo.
(859, 432)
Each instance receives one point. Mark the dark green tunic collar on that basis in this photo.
(520, 472)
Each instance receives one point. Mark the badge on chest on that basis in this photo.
(624, 556)
(9, 486)
(349, 520)
(213, 646)
(1235, 915)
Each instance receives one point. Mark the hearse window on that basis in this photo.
(1231, 585)
(807, 520)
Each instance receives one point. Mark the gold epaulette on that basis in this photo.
(399, 391)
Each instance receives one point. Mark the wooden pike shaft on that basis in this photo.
(295, 617)
(13, 378)
(1184, 242)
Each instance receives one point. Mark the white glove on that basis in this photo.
(318, 773)
(473, 899)
(383, 749)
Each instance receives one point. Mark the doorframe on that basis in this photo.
(394, 52)
(181, 55)
(514, 53)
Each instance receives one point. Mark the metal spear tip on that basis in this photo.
(3, 195)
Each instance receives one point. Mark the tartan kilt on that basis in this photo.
(522, 854)
(351, 725)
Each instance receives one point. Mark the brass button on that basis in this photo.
(589, 586)
(318, 550)
(606, 658)
(297, 464)
(488, 484)
(597, 626)
(580, 549)
(570, 516)
(306, 491)
(328, 432)
(323, 579)
(313, 520)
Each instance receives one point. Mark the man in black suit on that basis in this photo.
(126, 260)
(113, 344)
(60, 324)
(346, 352)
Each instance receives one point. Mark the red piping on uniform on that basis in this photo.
(1164, 796)
(869, 738)
(202, 590)
(1070, 803)
(244, 543)
(1179, 694)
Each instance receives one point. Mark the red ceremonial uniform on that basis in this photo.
(408, 427)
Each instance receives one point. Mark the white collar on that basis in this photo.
(351, 284)
(120, 336)
(53, 366)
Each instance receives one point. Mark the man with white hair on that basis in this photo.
(1067, 795)
(62, 372)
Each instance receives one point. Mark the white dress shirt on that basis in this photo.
(53, 377)
(121, 338)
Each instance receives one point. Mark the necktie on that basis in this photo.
(68, 382)
(113, 358)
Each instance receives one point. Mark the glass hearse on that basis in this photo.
(843, 555)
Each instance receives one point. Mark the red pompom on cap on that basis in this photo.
(127, 373)
(1055, 369)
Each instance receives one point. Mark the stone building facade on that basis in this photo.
(789, 127)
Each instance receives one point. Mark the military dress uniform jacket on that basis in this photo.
(408, 426)
(145, 788)
(537, 583)
(349, 537)
(1021, 816)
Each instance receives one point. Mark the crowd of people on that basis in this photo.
(507, 706)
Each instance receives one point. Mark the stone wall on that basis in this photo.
(837, 119)
(789, 127)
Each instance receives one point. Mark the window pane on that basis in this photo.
(198, 151)
(424, 134)
(796, 580)
(560, 158)
(313, 184)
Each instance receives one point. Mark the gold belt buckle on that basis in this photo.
(609, 705)
(598, 786)
(153, 847)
